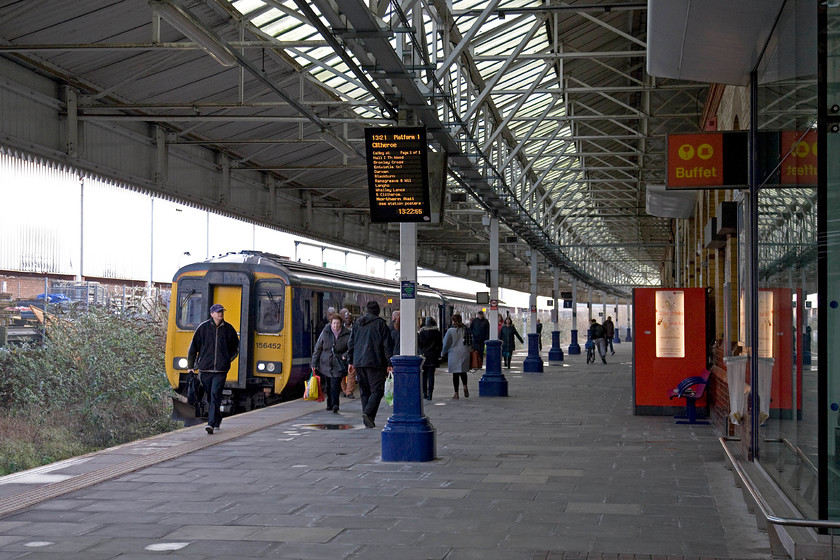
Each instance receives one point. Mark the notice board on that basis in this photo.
(398, 182)
(670, 345)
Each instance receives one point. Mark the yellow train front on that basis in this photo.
(278, 307)
(254, 291)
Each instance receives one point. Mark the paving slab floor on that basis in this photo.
(560, 469)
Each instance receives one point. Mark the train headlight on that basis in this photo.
(180, 363)
(270, 367)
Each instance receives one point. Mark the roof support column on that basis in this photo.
(224, 191)
(533, 363)
(555, 354)
(574, 347)
(493, 382)
(71, 104)
(161, 157)
(494, 278)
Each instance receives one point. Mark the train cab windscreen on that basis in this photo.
(190, 303)
(269, 298)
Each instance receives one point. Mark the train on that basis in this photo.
(278, 307)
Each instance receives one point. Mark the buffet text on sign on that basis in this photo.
(398, 182)
(707, 160)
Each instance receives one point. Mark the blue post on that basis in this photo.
(617, 338)
(493, 383)
(628, 338)
(533, 362)
(555, 355)
(574, 347)
(408, 436)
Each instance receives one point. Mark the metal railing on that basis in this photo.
(765, 509)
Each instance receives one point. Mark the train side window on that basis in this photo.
(270, 305)
(190, 303)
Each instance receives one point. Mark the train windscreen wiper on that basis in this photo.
(187, 298)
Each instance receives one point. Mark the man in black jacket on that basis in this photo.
(214, 346)
(369, 357)
(598, 335)
(480, 330)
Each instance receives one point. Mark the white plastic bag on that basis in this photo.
(389, 390)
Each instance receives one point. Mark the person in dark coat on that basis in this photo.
(598, 335)
(480, 329)
(369, 358)
(214, 346)
(509, 332)
(395, 333)
(348, 383)
(430, 344)
(330, 358)
(610, 328)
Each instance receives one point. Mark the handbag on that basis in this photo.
(389, 390)
(195, 390)
(312, 388)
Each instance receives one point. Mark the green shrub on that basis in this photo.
(100, 372)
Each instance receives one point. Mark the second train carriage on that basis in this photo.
(279, 308)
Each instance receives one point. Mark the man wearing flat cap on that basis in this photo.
(369, 358)
(214, 346)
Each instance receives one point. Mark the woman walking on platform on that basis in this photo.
(508, 342)
(330, 359)
(457, 350)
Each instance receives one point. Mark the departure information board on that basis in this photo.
(398, 181)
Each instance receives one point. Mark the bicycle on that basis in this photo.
(590, 351)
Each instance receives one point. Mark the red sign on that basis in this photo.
(798, 157)
(695, 160)
(494, 305)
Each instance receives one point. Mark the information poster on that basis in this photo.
(398, 183)
(670, 324)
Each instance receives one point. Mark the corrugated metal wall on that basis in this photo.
(44, 205)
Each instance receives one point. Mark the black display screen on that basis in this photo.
(398, 182)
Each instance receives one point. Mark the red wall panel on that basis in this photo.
(653, 377)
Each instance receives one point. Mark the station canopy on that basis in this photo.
(544, 108)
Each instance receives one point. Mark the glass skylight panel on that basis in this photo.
(267, 17)
(245, 7)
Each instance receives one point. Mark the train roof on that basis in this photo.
(298, 273)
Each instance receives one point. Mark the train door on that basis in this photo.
(231, 298)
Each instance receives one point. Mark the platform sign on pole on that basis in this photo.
(398, 181)
(398, 186)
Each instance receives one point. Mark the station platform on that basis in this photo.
(559, 469)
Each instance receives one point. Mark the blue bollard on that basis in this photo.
(628, 338)
(533, 362)
(493, 383)
(555, 355)
(574, 347)
(617, 338)
(408, 435)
